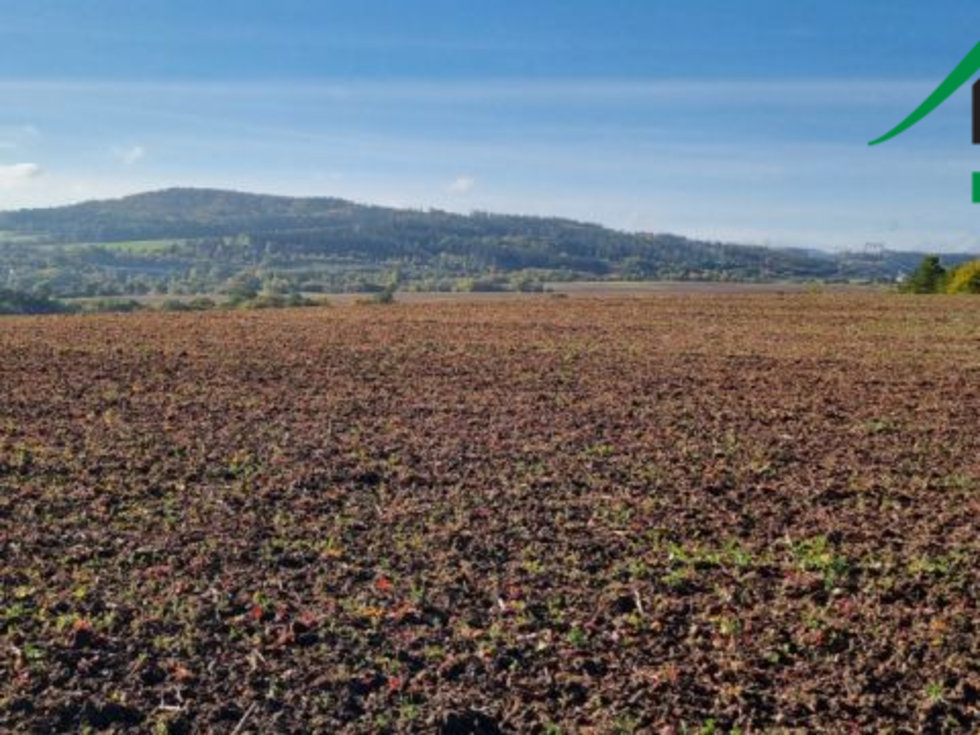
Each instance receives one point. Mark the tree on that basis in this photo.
(18, 302)
(929, 277)
(243, 287)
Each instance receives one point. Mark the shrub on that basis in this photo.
(174, 305)
(266, 301)
(489, 284)
(113, 306)
(274, 301)
(385, 295)
(965, 279)
(201, 303)
(298, 299)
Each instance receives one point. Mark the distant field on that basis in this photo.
(577, 289)
(6, 236)
(702, 287)
(136, 247)
(697, 512)
(620, 290)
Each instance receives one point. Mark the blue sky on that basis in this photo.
(741, 121)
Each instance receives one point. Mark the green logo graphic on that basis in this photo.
(956, 79)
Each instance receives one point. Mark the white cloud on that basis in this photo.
(17, 173)
(462, 185)
(130, 156)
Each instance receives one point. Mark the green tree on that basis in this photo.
(929, 277)
(243, 287)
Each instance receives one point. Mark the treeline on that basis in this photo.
(932, 277)
(16, 302)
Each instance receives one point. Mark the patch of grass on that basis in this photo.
(935, 692)
(879, 426)
(818, 555)
(577, 637)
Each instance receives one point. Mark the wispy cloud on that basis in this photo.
(462, 185)
(17, 173)
(131, 155)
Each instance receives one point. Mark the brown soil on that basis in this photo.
(668, 514)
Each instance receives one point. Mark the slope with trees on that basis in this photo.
(195, 240)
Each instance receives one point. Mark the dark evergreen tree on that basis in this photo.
(929, 277)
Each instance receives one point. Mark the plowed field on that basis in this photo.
(667, 514)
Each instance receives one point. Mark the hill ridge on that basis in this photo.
(193, 240)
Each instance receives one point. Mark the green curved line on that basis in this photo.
(957, 78)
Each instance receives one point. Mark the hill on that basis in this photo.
(194, 240)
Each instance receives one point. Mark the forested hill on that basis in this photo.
(194, 240)
(183, 213)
